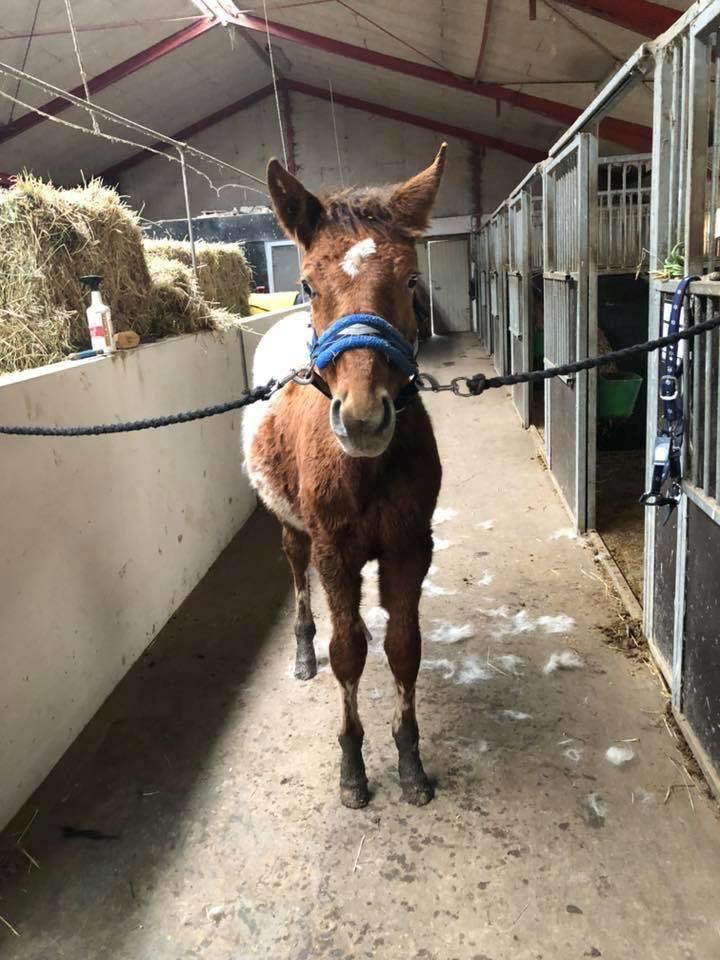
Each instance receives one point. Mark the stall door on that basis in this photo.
(449, 281)
(519, 293)
(569, 207)
(284, 267)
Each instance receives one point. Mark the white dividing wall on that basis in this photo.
(104, 537)
(373, 150)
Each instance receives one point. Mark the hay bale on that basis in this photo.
(49, 238)
(176, 300)
(223, 272)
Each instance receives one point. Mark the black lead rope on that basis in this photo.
(460, 386)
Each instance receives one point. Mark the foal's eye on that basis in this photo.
(412, 281)
(307, 289)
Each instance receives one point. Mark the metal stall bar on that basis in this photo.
(499, 242)
(519, 294)
(623, 213)
(662, 239)
(569, 221)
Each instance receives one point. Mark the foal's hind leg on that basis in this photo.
(401, 577)
(297, 549)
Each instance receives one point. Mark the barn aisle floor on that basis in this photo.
(197, 816)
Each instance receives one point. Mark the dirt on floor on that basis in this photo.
(620, 516)
(198, 815)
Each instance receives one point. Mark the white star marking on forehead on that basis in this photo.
(352, 261)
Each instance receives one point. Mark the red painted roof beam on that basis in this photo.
(641, 16)
(142, 59)
(446, 129)
(633, 135)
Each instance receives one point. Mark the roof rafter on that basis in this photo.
(110, 76)
(634, 135)
(642, 16)
(531, 154)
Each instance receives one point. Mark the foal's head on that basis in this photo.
(359, 256)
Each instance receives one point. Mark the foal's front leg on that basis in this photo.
(401, 577)
(348, 651)
(297, 549)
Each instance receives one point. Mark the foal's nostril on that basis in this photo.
(336, 419)
(387, 414)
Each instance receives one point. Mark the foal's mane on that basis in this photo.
(368, 207)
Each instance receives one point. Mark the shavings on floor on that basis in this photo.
(596, 807)
(431, 589)
(442, 515)
(440, 544)
(566, 533)
(472, 670)
(564, 660)
(446, 632)
(619, 754)
(522, 622)
(486, 579)
(485, 524)
(559, 624)
(442, 665)
(515, 715)
(510, 663)
(466, 671)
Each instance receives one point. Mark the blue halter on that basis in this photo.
(363, 331)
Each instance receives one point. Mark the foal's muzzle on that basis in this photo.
(363, 428)
(364, 421)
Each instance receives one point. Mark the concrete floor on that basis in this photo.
(209, 780)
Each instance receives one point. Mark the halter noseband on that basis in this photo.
(364, 331)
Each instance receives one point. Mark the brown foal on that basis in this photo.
(351, 478)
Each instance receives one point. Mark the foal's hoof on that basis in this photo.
(418, 792)
(355, 796)
(305, 667)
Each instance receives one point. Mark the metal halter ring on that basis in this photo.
(457, 389)
(303, 377)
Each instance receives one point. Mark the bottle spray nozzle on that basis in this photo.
(92, 281)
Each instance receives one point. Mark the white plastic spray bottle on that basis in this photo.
(99, 318)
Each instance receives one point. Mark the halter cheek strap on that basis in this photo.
(363, 331)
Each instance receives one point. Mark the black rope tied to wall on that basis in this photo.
(471, 386)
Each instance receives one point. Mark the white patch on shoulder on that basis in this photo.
(282, 349)
(352, 261)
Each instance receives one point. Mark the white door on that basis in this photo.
(284, 271)
(449, 282)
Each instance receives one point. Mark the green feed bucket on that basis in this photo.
(617, 395)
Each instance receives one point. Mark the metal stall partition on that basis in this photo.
(519, 294)
(498, 288)
(667, 231)
(483, 287)
(682, 558)
(524, 213)
(569, 280)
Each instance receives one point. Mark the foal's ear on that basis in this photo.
(298, 210)
(413, 200)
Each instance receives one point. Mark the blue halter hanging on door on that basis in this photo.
(667, 460)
